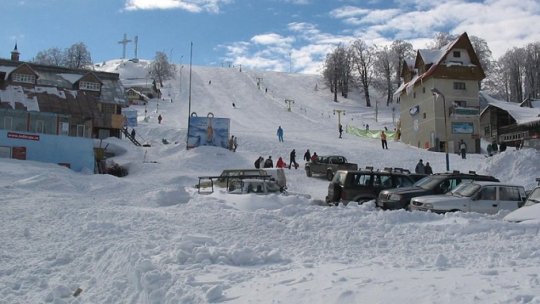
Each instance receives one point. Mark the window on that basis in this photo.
(8, 123)
(64, 128)
(80, 130)
(25, 78)
(489, 193)
(459, 85)
(40, 126)
(460, 103)
(457, 54)
(424, 115)
(89, 86)
(363, 180)
(509, 194)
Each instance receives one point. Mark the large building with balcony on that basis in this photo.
(439, 98)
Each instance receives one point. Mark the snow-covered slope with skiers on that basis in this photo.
(151, 238)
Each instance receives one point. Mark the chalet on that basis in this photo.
(439, 97)
(511, 123)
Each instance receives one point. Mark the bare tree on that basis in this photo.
(384, 67)
(363, 62)
(532, 70)
(77, 56)
(161, 69)
(337, 71)
(401, 50)
(53, 56)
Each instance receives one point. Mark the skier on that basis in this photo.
(340, 130)
(269, 163)
(159, 118)
(233, 105)
(280, 163)
(293, 159)
(307, 156)
(280, 134)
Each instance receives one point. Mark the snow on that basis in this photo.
(16, 94)
(520, 114)
(151, 238)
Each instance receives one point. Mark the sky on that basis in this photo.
(150, 237)
(276, 35)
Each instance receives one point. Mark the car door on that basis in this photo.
(509, 198)
(485, 201)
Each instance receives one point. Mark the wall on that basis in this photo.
(78, 152)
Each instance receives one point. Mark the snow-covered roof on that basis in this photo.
(431, 56)
(522, 115)
(16, 94)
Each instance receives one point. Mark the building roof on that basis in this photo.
(433, 59)
(522, 115)
(64, 79)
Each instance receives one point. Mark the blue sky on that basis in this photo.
(279, 35)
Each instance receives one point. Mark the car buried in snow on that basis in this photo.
(474, 196)
(328, 165)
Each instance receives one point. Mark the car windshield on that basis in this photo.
(429, 182)
(467, 189)
(534, 197)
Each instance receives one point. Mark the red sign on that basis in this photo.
(22, 136)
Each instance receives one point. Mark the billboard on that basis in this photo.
(208, 131)
(130, 117)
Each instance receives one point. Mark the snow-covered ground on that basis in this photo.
(151, 238)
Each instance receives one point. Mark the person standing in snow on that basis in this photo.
(280, 163)
(159, 118)
(463, 149)
(269, 163)
(314, 157)
(340, 130)
(420, 168)
(280, 134)
(293, 159)
(383, 140)
(133, 133)
(427, 169)
(307, 156)
(231, 142)
(235, 144)
(258, 162)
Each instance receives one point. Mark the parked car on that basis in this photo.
(230, 175)
(328, 165)
(365, 185)
(530, 210)
(438, 183)
(475, 196)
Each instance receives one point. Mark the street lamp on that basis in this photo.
(289, 102)
(438, 93)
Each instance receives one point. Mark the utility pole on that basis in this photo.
(189, 97)
(339, 115)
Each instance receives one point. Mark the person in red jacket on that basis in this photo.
(280, 163)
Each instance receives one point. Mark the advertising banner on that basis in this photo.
(208, 131)
(130, 117)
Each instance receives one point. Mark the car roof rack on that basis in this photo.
(369, 168)
(472, 172)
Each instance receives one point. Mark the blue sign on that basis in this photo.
(208, 131)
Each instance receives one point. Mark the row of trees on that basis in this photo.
(78, 57)
(513, 77)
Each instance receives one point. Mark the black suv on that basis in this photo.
(439, 183)
(362, 186)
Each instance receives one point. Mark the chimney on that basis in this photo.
(15, 54)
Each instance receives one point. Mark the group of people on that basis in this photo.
(269, 163)
(423, 169)
(233, 143)
(310, 158)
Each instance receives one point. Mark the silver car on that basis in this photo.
(483, 197)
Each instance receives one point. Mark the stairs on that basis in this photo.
(128, 136)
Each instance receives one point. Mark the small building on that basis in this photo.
(439, 98)
(511, 124)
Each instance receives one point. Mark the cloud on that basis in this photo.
(272, 39)
(192, 6)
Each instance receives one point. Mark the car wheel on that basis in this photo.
(308, 172)
(329, 175)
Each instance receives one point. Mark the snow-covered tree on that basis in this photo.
(160, 69)
(78, 56)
